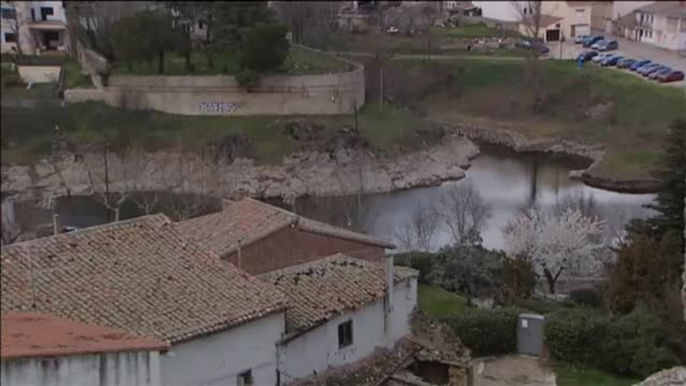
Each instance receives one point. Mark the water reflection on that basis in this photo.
(508, 182)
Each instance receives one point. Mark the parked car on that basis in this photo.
(655, 74)
(605, 45)
(647, 67)
(600, 57)
(673, 76)
(639, 64)
(625, 63)
(589, 41)
(649, 71)
(580, 39)
(536, 45)
(611, 60)
(587, 55)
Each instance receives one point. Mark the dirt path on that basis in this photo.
(512, 370)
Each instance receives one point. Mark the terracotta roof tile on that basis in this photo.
(250, 220)
(321, 289)
(41, 335)
(139, 275)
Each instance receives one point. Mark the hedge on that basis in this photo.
(485, 331)
(631, 345)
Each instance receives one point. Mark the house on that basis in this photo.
(623, 8)
(38, 347)
(549, 27)
(259, 238)
(579, 17)
(143, 277)
(341, 309)
(36, 26)
(504, 11)
(662, 24)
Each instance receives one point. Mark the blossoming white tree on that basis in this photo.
(566, 241)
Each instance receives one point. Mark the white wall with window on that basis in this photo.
(241, 356)
(349, 337)
(8, 31)
(48, 11)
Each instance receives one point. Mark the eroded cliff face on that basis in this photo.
(304, 173)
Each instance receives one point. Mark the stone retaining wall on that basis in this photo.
(39, 74)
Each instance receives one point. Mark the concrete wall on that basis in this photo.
(290, 247)
(94, 63)
(217, 359)
(39, 74)
(500, 10)
(116, 369)
(317, 349)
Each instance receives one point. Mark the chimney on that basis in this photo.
(388, 304)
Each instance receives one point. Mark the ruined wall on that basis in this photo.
(290, 247)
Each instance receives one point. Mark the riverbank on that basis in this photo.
(343, 172)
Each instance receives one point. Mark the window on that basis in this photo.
(345, 334)
(245, 379)
(10, 37)
(45, 12)
(9, 13)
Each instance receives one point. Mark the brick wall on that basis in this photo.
(290, 247)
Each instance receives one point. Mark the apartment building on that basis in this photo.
(662, 24)
(33, 27)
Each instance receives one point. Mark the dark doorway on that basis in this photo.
(50, 36)
(45, 12)
(552, 35)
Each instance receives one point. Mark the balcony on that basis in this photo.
(48, 25)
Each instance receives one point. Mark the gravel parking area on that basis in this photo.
(630, 49)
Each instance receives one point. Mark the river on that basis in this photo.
(507, 181)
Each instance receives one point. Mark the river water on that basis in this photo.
(508, 181)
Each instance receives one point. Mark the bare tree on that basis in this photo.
(312, 23)
(465, 212)
(530, 15)
(417, 232)
(109, 178)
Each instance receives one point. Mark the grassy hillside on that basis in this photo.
(594, 105)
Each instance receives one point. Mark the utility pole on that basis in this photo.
(107, 181)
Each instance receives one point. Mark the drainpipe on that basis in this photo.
(388, 304)
(56, 224)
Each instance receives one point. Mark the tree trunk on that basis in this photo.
(160, 59)
(552, 279)
(117, 211)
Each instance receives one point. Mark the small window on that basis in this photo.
(9, 13)
(45, 12)
(245, 379)
(10, 37)
(201, 24)
(345, 334)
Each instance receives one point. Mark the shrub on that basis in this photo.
(248, 79)
(518, 280)
(631, 345)
(474, 271)
(589, 297)
(487, 332)
(421, 261)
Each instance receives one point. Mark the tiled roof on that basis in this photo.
(138, 275)
(322, 289)
(250, 220)
(667, 8)
(40, 335)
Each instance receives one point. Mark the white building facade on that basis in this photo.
(662, 24)
(34, 26)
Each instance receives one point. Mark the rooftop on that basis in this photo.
(667, 8)
(40, 335)
(249, 220)
(138, 275)
(322, 289)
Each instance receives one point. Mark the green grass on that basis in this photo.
(437, 302)
(575, 375)
(299, 61)
(74, 75)
(473, 31)
(499, 94)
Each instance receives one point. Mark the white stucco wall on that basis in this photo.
(116, 369)
(57, 9)
(39, 74)
(499, 10)
(217, 359)
(621, 8)
(317, 349)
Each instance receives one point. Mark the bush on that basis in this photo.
(474, 271)
(10, 77)
(588, 297)
(518, 280)
(631, 345)
(248, 79)
(487, 332)
(421, 261)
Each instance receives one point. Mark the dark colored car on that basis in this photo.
(580, 39)
(611, 61)
(589, 41)
(605, 45)
(639, 64)
(647, 72)
(536, 45)
(648, 67)
(655, 75)
(625, 63)
(673, 76)
(586, 55)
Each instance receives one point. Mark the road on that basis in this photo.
(631, 49)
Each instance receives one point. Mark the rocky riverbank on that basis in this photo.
(593, 153)
(305, 173)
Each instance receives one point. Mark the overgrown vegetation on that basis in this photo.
(439, 303)
(487, 332)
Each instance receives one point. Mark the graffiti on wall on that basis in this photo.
(218, 107)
